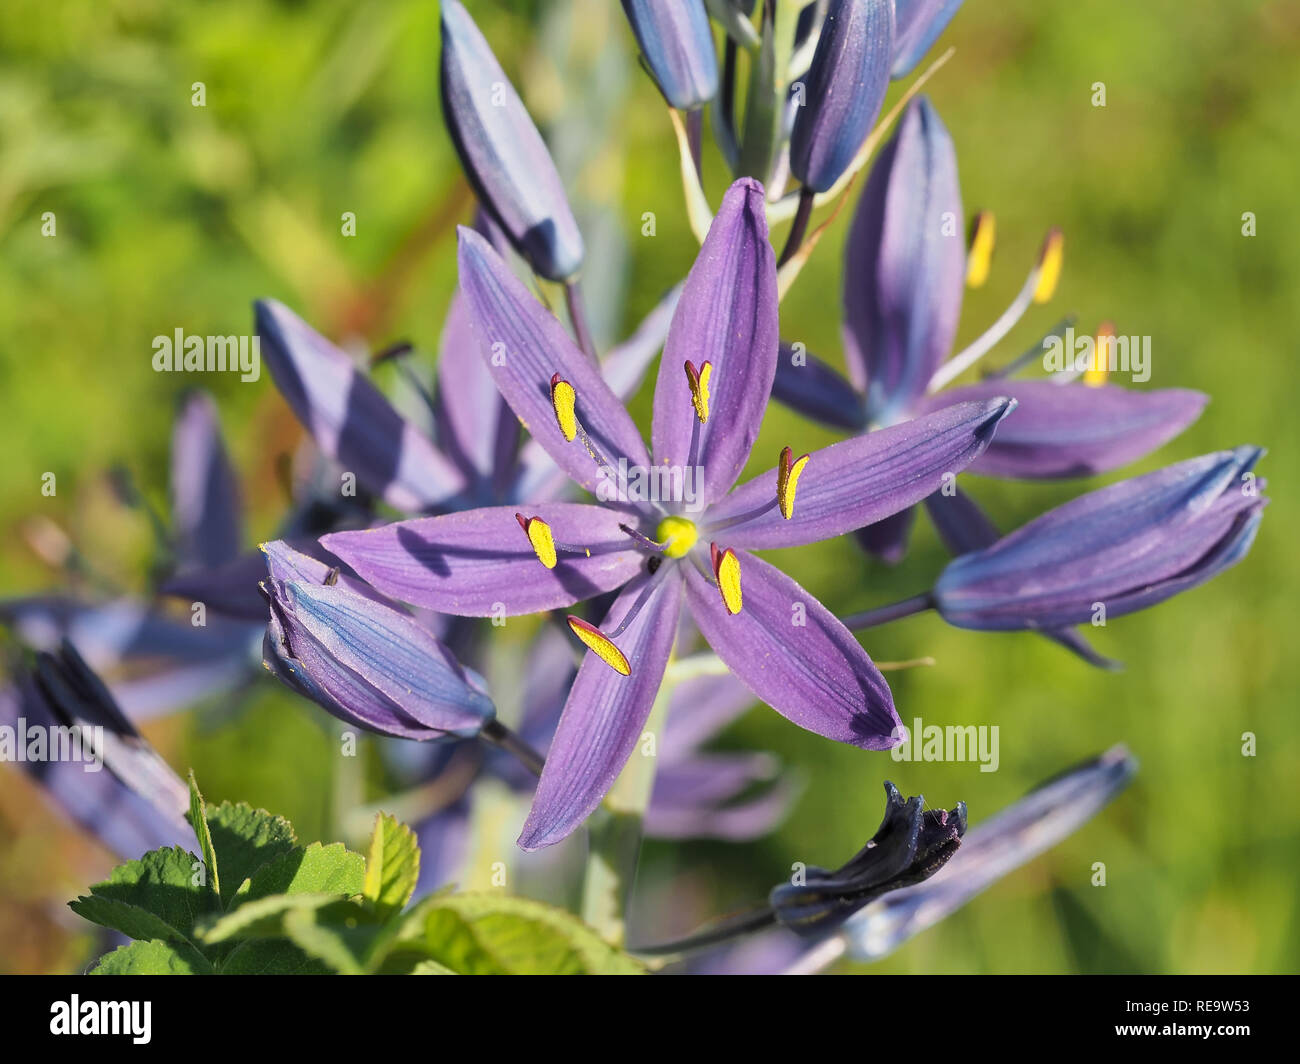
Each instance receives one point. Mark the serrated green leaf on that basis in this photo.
(316, 869)
(161, 883)
(271, 956)
(130, 920)
(392, 865)
(341, 947)
(246, 839)
(151, 958)
(264, 918)
(199, 822)
(487, 934)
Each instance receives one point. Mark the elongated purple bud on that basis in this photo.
(503, 155)
(677, 44)
(843, 91)
(918, 24)
(1123, 548)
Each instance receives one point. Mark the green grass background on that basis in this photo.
(171, 215)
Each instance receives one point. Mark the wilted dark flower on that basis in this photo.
(503, 155)
(911, 844)
(677, 45)
(843, 91)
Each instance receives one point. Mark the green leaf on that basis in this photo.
(392, 866)
(271, 956)
(338, 945)
(152, 958)
(247, 838)
(487, 934)
(160, 885)
(264, 918)
(199, 821)
(317, 869)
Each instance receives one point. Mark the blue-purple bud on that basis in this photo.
(677, 44)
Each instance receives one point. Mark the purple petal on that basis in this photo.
(205, 491)
(479, 563)
(864, 480)
(444, 844)
(699, 710)
(604, 716)
(813, 673)
(887, 539)
(844, 89)
(1075, 430)
(625, 365)
(919, 23)
(503, 155)
(727, 315)
(473, 424)
(905, 265)
(349, 419)
(1128, 545)
(697, 799)
(523, 347)
(229, 590)
(818, 392)
(676, 42)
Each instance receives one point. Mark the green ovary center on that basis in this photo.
(678, 536)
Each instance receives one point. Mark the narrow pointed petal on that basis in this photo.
(676, 42)
(205, 490)
(700, 709)
(349, 418)
(843, 90)
(1126, 546)
(1074, 430)
(503, 155)
(887, 539)
(814, 674)
(700, 799)
(919, 23)
(604, 716)
(905, 266)
(523, 347)
(479, 563)
(469, 413)
(818, 392)
(861, 481)
(727, 315)
(990, 851)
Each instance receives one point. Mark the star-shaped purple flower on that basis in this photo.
(686, 541)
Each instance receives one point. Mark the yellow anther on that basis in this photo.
(1050, 260)
(563, 398)
(1096, 374)
(787, 480)
(698, 379)
(726, 569)
(983, 234)
(601, 645)
(540, 536)
(678, 535)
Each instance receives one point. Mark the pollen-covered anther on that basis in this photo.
(540, 536)
(698, 379)
(788, 469)
(1095, 375)
(564, 400)
(601, 645)
(983, 235)
(1050, 261)
(726, 570)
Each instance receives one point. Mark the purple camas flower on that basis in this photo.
(905, 263)
(714, 379)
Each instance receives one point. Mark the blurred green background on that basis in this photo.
(174, 215)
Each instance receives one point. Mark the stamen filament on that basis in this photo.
(655, 580)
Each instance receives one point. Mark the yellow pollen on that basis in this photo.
(678, 535)
(563, 398)
(698, 379)
(1095, 375)
(787, 480)
(726, 567)
(540, 536)
(1050, 260)
(600, 644)
(982, 237)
